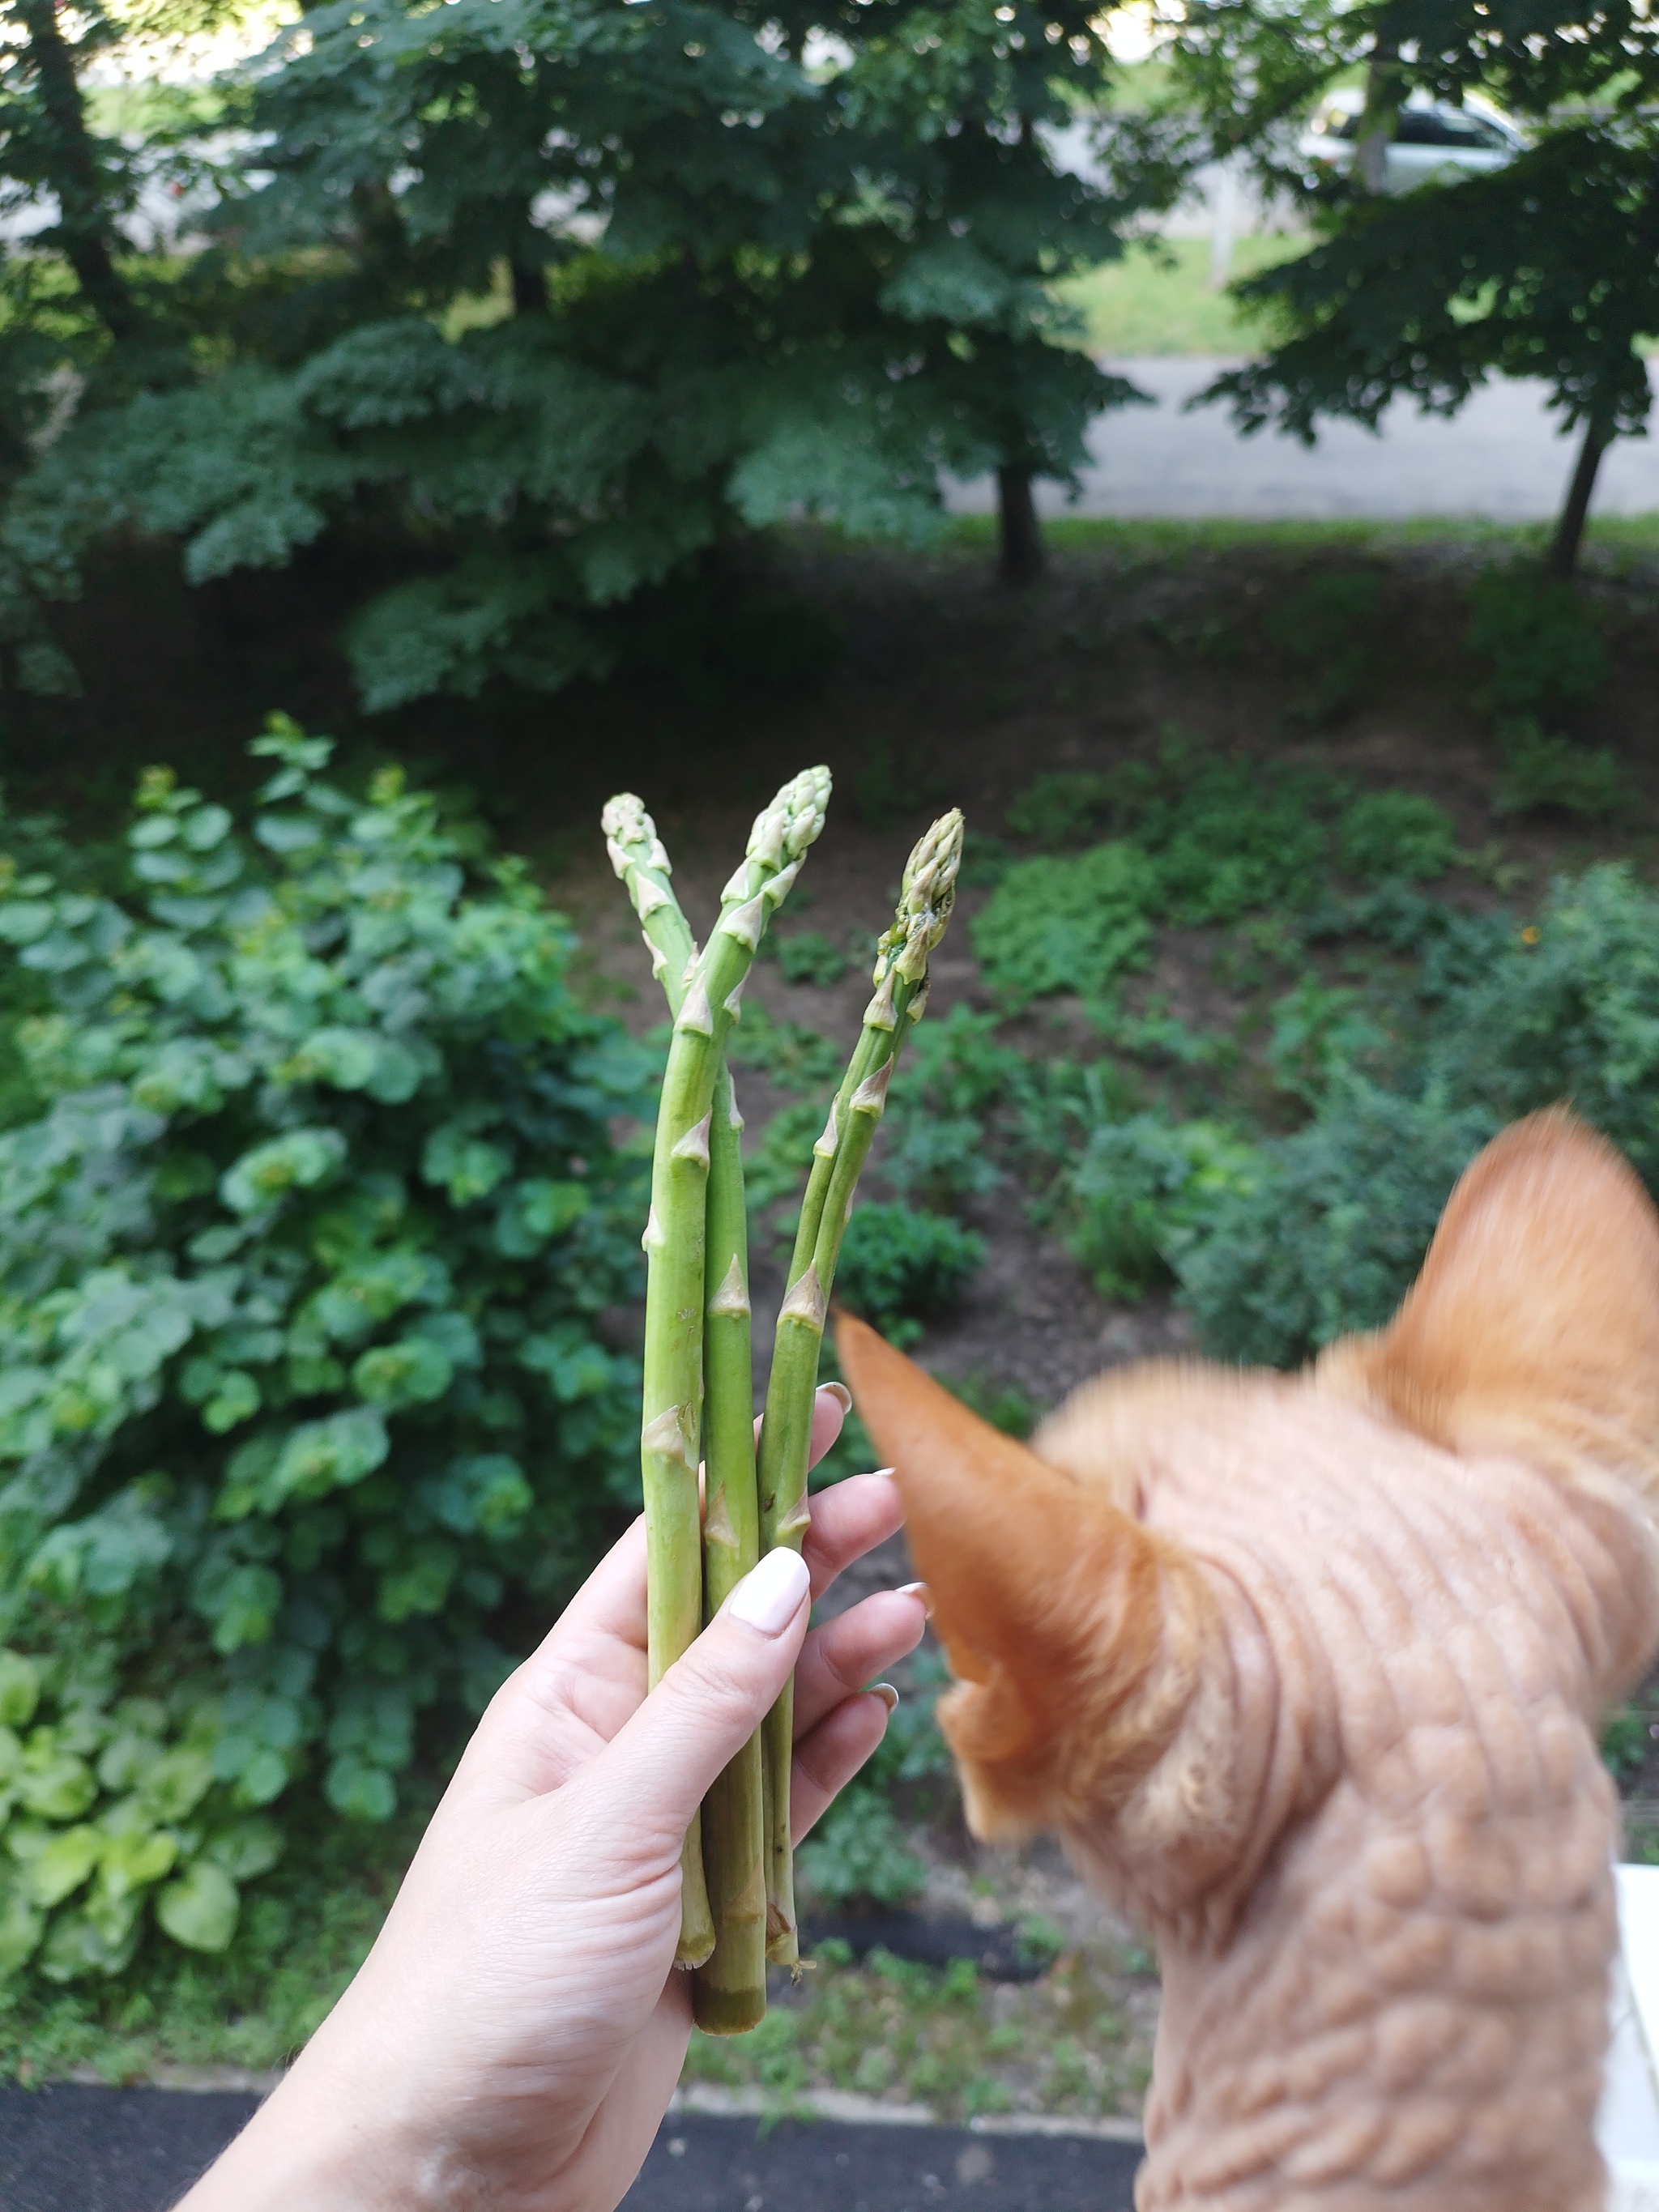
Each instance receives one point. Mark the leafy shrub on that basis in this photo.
(1545, 775)
(1068, 925)
(1008, 1407)
(789, 1053)
(1540, 641)
(899, 1268)
(806, 955)
(1230, 834)
(1065, 808)
(1395, 836)
(777, 1166)
(1569, 1009)
(1625, 1744)
(1331, 1226)
(859, 1853)
(1319, 1033)
(301, 1270)
(1136, 1189)
(934, 1142)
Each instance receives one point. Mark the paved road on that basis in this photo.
(1500, 458)
(66, 2148)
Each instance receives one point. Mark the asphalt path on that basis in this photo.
(72, 2148)
(1501, 459)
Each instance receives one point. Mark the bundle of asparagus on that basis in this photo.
(738, 1899)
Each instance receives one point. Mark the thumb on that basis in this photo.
(711, 1700)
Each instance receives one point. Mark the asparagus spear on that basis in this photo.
(675, 1239)
(729, 1990)
(925, 898)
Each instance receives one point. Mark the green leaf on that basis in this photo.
(133, 1861)
(22, 1923)
(237, 1399)
(359, 1792)
(299, 1161)
(64, 1864)
(199, 1910)
(175, 1786)
(55, 1785)
(246, 1849)
(413, 1372)
(20, 1689)
(421, 1580)
(329, 1455)
(242, 1602)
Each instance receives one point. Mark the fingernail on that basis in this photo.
(883, 1470)
(841, 1394)
(887, 1693)
(771, 1594)
(920, 1590)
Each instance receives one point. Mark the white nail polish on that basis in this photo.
(920, 1590)
(841, 1394)
(887, 1693)
(771, 1594)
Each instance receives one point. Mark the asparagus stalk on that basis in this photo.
(675, 1237)
(925, 898)
(729, 1990)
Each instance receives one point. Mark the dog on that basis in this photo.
(1306, 1672)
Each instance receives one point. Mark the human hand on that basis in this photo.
(514, 2036)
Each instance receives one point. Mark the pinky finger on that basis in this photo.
(828, 1757)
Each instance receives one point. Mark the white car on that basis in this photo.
(1433, 142)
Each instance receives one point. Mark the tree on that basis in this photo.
(592, 288)
(1547, 267)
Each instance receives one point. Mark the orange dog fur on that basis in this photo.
(1306, 1672)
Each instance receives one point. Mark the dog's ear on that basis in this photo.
(1054, 1608)
(1534, 1326)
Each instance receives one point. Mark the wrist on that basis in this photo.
(333, 2140)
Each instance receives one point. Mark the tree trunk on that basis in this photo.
(1020, 533)
(1562, 558)
(1375, 132)
(85, 230)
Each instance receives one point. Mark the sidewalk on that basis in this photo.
(73, 2148)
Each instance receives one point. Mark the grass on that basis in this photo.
(1076, 2042)
(1158, 299)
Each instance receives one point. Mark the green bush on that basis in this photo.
(935, 1144)
(859, 1853)
(1229, 833)
(1068, 925)
(1568, 1008)
(899, 1268)
(306, 1401)
(1330, 1226)
(806, 955)
(1539, 639)
(1395, 836)
(1135, 1188)
(1545, 775)
(1065, 807)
